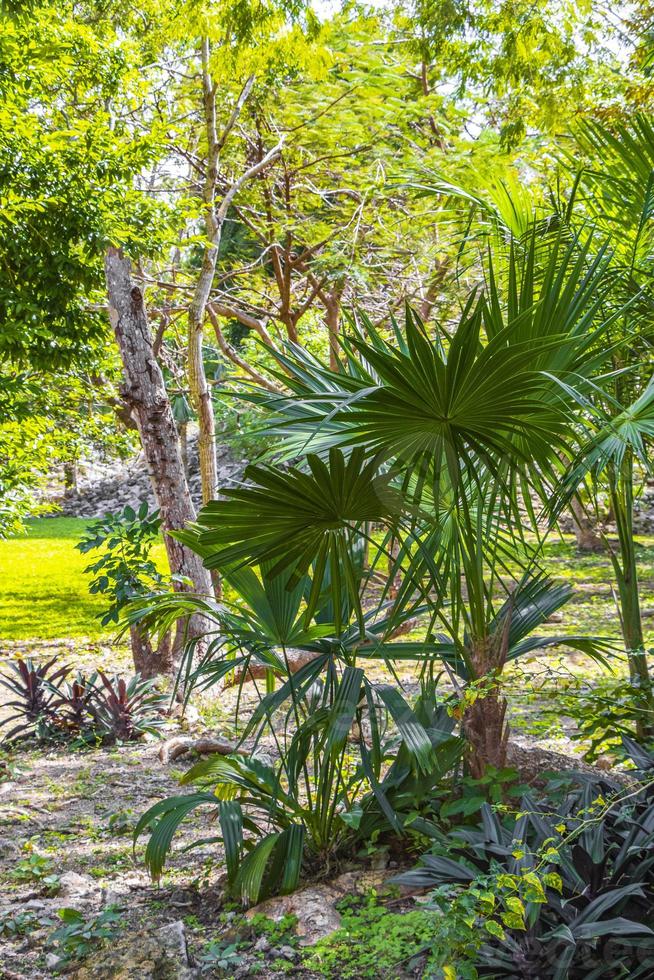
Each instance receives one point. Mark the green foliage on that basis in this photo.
(14, 925)
(496, 786)
(121, 822)
(80, 935)
(66, 179)
(308, 798)
(374, 941)
(331, 786)
(574, 883)
(447, 436)
(220, 955)
(125, 569)
(37, 870)
(604, 712)
(25, 457)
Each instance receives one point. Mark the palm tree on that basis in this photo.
(616, 191)
(611, 198)
(440, 441)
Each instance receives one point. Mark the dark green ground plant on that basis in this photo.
(79, 935)
(589, 865)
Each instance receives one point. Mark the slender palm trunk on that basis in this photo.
(484, 721)
(625, 566)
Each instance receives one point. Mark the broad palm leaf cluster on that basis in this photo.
(413, 488)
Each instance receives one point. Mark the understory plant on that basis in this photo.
(49, 706)
(79, 935)
(125, 571)
(374, 940)
(581, 874)
(606, 711)
(354, 759)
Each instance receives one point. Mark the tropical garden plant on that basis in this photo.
(124, 571)
(438, 445)
(341, 773)
(47, 705)
(609, 202)
(443, 442)
(582, 873)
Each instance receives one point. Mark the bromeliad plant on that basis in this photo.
(50, 707)
(33, 690)
(124, 710)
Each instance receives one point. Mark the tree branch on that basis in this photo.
(235, 358)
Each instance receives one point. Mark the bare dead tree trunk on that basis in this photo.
(145, 394)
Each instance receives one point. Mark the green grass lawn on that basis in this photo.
(43, 589)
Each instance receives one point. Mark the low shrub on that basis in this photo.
(374, 941)
(325, 794)
(47, 706)
(79, 936)
(573, 884)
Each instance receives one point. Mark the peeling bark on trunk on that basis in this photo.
(144, 392)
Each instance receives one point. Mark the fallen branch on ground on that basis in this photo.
(182, 745)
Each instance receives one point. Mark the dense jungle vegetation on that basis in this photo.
(326, 489)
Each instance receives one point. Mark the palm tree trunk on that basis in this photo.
(486, 733)
(484, 721)
(626, 571)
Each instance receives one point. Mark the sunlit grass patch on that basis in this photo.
(43, 589)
